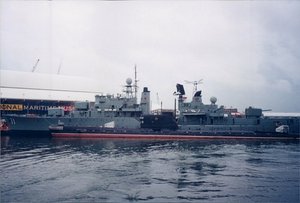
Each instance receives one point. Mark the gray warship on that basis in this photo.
(122, 114)
(108, 110)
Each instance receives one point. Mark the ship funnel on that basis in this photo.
(145, 101)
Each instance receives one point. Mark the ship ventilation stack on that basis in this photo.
(145, 101)
(180, 92)
(197, 97)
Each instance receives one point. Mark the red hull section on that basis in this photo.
(157, 137)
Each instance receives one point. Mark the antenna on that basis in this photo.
(195, 83)
(35, 65)
(135, 82)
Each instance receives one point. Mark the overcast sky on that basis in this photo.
(246, 52)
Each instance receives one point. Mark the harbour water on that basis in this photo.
(57, 170)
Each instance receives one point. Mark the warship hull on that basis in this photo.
(39, 126)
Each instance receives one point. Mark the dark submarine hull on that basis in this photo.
(148, 134)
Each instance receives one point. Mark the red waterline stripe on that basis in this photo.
(158, 137)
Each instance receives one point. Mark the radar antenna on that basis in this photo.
(195, 83)
(130, 88)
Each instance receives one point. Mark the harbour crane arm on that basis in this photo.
(35, 65)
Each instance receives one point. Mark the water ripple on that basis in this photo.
(45, 170)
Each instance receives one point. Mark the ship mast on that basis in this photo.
(135, 83)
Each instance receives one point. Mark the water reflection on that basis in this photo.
(58, 170)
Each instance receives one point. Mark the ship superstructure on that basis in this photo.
(197, 116)
(120, 111)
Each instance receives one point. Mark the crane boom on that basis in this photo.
(35, 65)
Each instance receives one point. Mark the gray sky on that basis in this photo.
(247, 52)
